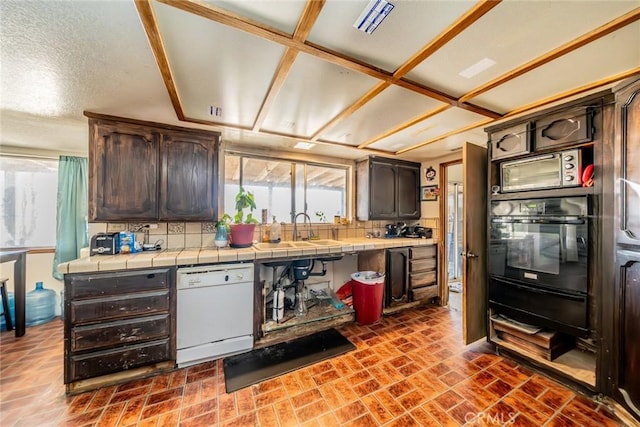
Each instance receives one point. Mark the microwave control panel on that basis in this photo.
(571, 172)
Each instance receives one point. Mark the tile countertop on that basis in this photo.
(189, 256)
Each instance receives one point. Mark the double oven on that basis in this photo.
(539, 261)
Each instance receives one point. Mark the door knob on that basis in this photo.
(468, 254)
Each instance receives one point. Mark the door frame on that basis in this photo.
(443, 267)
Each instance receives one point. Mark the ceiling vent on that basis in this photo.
(373, 15)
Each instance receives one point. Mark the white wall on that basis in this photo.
(39, 269)
(431, 209)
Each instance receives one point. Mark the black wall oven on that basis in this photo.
(538, 261)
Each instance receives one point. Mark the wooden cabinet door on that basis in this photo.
(188, 174)
(408, 192)
(628, 327)
(123, 165)
(383, 179)
(628, 166)
(564, 128)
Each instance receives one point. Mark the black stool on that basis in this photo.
(5, 304)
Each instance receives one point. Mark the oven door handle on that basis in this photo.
(577, 221)
(542, 291)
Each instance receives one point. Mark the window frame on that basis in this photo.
(346, 166)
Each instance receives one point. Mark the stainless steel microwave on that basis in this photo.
(553, 170)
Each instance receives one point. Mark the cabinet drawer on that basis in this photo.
(567, 127)
(422, 264)
(120, 359)
(117, 307)
(425, 293)
(129, 331)
(422, 279)
(424, 252)
(97, 285)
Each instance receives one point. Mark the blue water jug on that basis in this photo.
(12, 310)
(40, 305)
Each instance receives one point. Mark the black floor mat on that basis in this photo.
(245, 369)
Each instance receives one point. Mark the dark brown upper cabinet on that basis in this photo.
(387, 189)
(141, 171)
(187, 177)
(565, 128)
(628, 165)
(123, 170)
(510, 142)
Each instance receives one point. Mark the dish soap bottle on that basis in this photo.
(274, 232)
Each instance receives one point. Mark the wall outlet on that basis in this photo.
(114, 228)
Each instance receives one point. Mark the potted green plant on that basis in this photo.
(243, 228)
(222, 231)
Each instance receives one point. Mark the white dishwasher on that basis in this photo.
(214, 312)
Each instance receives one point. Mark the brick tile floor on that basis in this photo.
(409, 369)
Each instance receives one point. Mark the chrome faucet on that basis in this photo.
(295, 226)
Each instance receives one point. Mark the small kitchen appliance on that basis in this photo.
(105, 244)
(554, 170)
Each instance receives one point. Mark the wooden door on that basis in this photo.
(474, 270)
(629, 166)
(188, 177)
(628, 346)
(123, 167)
(408, 192)
(627, 217)
(382, 188)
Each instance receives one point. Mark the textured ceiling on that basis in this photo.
(284, 71)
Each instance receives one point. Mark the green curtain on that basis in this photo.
(71, 215)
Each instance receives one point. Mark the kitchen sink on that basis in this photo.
(269, 246)
(325, 242)
(282, 245)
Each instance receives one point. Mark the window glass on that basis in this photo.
(28, 204)
(326, 192)
(318, 188)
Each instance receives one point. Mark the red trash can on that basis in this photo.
(368, 290)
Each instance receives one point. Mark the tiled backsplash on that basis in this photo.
(178, 235)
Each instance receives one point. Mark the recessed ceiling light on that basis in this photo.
(373, 15)
(477, 68)
(304, 145)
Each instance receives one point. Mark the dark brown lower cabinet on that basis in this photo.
(423, 274)
(628, 328)
(117, 321)
(411, 274)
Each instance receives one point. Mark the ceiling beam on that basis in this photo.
(282, 72)
(305, 23)
(446, 135)
(577, 43)
(538, 104)
(406, 125)
(351, 109)
(150, 25)
(466, 20)
(573, 92)
(208, 11)
(308, 19)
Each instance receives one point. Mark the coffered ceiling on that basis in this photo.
(271, 73)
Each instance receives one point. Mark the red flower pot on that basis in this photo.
(241, 235)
